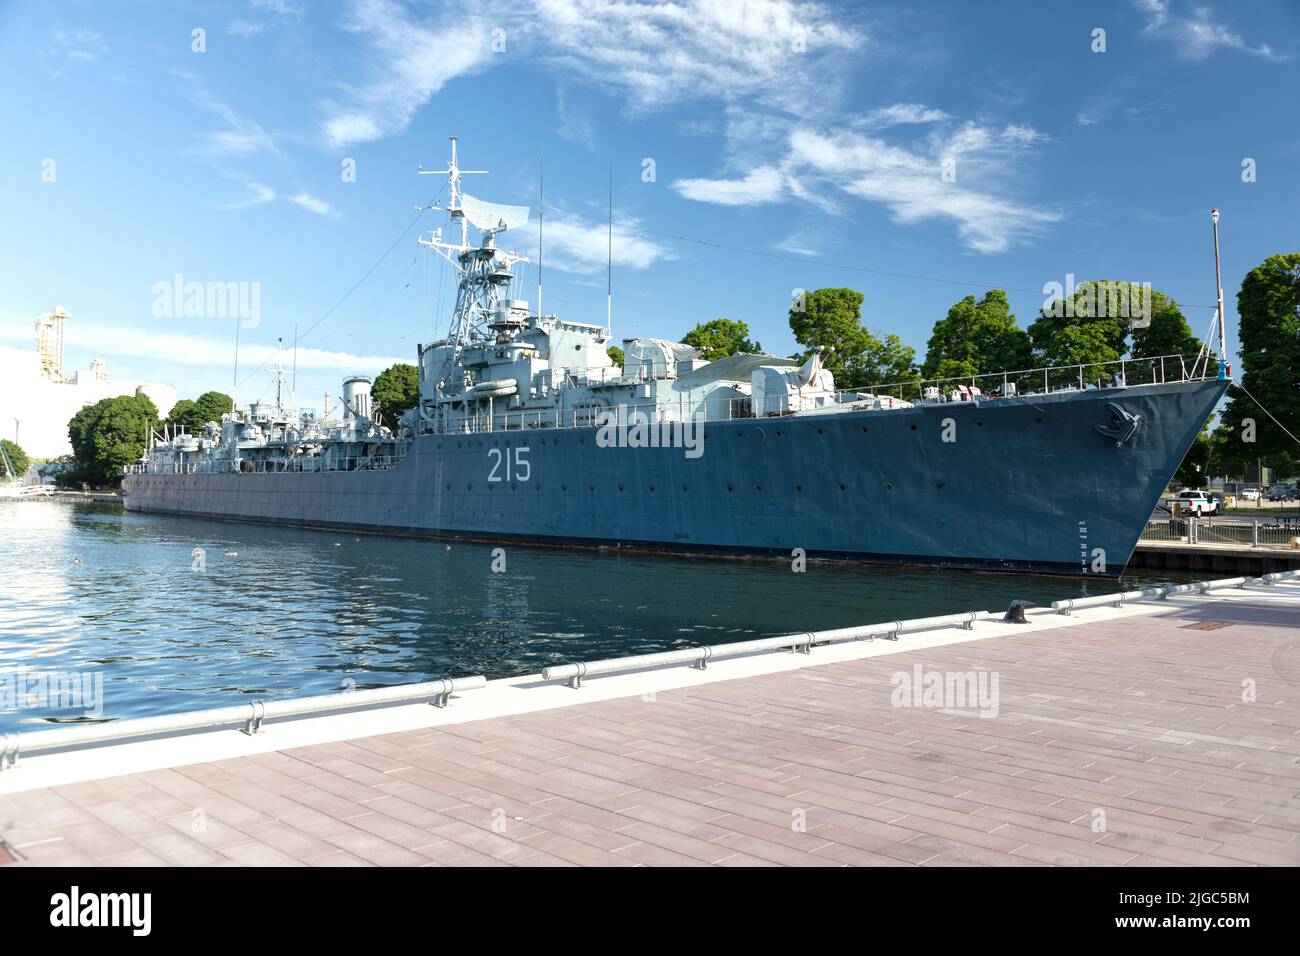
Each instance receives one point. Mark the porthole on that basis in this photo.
(844, 488)
(620, 487)
(759, 489)
(684, 488)
(913, 427)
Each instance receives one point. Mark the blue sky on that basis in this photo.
(808, 137)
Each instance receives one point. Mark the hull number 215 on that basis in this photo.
(510, 465)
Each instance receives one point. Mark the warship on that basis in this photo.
(526, 431)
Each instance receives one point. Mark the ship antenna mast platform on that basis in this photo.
(483, 271)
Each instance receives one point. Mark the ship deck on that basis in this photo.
(1122, 737)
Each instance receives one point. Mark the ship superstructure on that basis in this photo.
(526, 430)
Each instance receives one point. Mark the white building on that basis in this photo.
(38, 397)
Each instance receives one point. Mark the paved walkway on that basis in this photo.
(1125, 742)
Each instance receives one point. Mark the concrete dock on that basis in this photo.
(1159, 733)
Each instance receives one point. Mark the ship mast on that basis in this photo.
(483, 271)
(1218, 281)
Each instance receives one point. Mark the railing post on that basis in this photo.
(1254, 533)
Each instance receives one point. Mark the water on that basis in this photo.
(293, 613)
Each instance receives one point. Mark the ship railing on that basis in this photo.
(1119, 373)
(247, 717)
(653, 413)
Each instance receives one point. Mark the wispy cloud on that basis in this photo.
(901, 114)
(244, 28)
(283, 7)
(409, 63)
(312, 204)
(1197, 35)
(186, 348)
(242, 137)
(261, 194)
(82, 46)
(653, 55)
(580, 245)
(908, 180)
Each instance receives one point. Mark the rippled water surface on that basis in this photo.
(88, 589)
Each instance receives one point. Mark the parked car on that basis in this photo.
(1195, 502)
(1250, 494)
(1281, 493)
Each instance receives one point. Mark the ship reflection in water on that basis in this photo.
(296, 612)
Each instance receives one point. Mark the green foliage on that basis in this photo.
(1194, 471)
(615, 355)
(17, 457)
(110, 434)
(1168, 333)
(396, 389)
(976, 338)
(1093, 334)
(720, 338)
(193, 415)
(831, 319)
(1269, 330)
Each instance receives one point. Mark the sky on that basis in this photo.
(916, 152)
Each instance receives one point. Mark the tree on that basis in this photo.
(17, 457)
(1168, 333)
(193, 415)
(396, 389)
(615, 355)
(977, 338)
(1083, 329)
(1194, 470)
(1269, 329)
(720, 338)
(831, 319)
(110, 434)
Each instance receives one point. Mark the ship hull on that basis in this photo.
(1017, 484)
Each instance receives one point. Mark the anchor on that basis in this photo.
(1122, 425)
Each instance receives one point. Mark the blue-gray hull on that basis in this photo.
(1028, 483)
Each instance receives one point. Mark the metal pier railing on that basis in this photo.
(699, 657)
(251, 715)
(1163, 591)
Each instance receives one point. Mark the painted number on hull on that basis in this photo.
(516, 466)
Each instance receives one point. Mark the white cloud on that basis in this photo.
(80, 45)
(261, 194)
(900, 114)
(907, 180)
(775, 52)
(410, 62)
(580, 246)
(243, 28)
(312, 204)
(1198, 35)
(762, 185)
(282, 7)
(183, 348)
